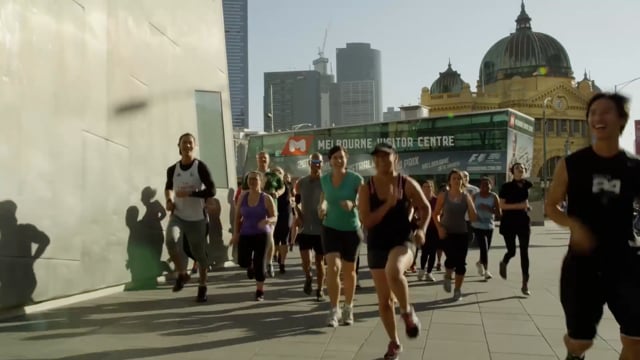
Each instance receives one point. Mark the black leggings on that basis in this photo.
(253, 246)
(456, 247)
(523, 235)
(483, 237)
(428, 256)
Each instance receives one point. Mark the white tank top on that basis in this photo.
(188, 208)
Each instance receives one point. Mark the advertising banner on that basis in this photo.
(411, 163)
(359, 144)
(519, 149)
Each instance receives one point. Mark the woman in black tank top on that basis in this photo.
(384, 204)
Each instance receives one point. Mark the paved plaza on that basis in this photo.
(493, 321)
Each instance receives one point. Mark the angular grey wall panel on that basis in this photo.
(70, 167)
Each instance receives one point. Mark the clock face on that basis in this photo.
(560, 103)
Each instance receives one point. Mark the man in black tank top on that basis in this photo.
(603, 261)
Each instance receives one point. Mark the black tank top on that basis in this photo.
(395, 227)
(600, 193)
(284, 207)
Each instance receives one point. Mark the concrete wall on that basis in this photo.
(71, 167)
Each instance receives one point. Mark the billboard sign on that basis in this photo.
(411, 163)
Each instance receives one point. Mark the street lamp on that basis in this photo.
(544, 149)
(623, 84)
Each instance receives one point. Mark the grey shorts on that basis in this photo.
(196, 234)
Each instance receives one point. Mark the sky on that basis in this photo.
(418, 37)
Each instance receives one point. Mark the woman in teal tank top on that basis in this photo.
(341, 235)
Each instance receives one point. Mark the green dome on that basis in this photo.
(449, 81)
(525, 53)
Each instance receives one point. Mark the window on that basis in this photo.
(211, 135)
(501, 117)
(550, 126)
(538, 125)
(562, 126)
(575, 127)
(481, 119)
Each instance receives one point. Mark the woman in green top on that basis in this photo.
(342, 233)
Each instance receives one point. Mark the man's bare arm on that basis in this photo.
(556, 193)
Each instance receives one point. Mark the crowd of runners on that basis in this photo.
(330, 215)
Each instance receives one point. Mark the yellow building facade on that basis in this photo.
(527, 71)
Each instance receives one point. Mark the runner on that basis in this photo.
(309, 193)
(342, 232)
(254, 220)
(263, 160)
(602, 264)
(487, 207)
(432, 243)
(188, 186)
(449, 216)
(514, 202)
(384, 207)
(472, 190)
(285, 221)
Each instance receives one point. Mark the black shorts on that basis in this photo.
(344, 242)
(377, 258)
(281, 234)
(584, 290)
(310, 242)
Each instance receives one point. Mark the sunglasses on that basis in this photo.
(316, 162)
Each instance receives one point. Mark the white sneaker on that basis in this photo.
(480, 268)
(334, 318)
(430, 278)
(487, 275)
(420, 274)
(347, 315)
(457, 295)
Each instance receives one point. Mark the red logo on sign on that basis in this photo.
(297, 145)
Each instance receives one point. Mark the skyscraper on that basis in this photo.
(326, 83)
(296, 99)
(235, 28)
(360, 84)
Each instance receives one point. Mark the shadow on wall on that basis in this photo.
(146, 239)
(217, 251)
(232, 198)
(17, 257)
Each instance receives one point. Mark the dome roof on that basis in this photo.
(525, 53)
(449, 81)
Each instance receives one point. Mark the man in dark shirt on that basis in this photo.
(603, 261)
